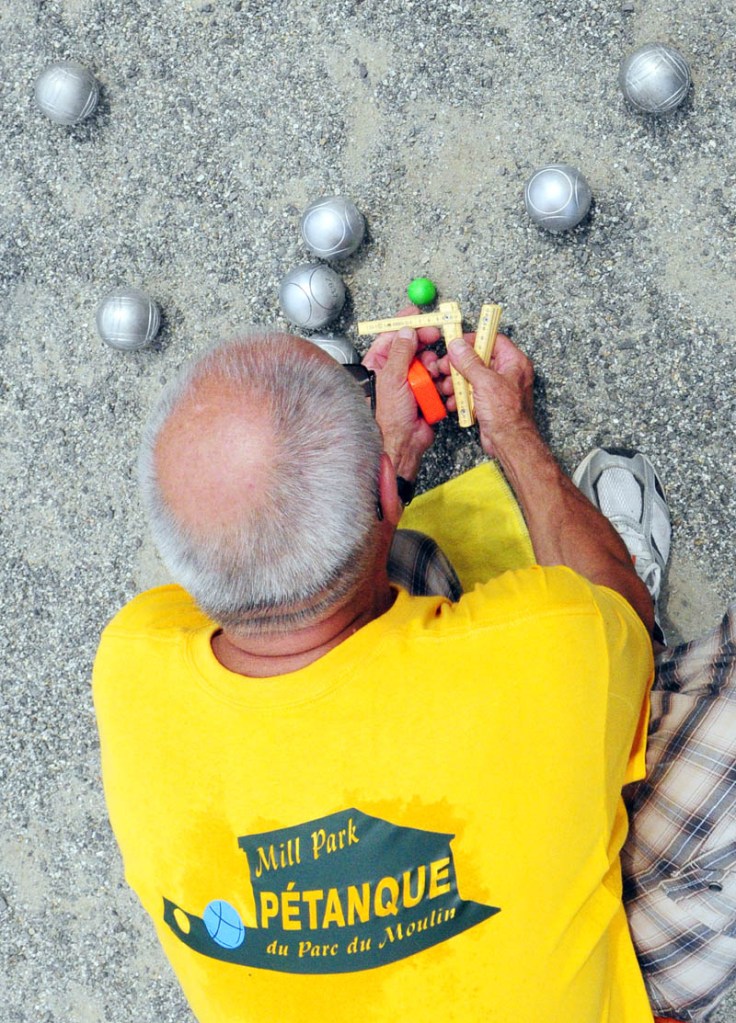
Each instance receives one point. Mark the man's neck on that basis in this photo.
(266, 656)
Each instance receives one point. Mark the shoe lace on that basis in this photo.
(646, 565)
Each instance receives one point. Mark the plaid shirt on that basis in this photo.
(419, 565)
(679, 861)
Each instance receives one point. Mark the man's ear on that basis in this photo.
(388, 495)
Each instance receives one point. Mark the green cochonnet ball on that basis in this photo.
(421, 291)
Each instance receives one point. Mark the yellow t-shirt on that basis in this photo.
(422, 825)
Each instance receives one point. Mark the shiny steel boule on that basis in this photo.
(332, 227)
(557, 197)
(655, 78)
(338, 347)
(127, 319)
(67, 92)
(311, 295)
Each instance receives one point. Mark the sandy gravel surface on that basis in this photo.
(218, 123)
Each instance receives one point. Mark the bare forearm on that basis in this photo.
(565, 528)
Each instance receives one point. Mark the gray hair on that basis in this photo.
(310, 547)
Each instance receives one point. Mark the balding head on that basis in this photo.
(215, 456)
(259, 469)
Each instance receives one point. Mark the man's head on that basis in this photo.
(259, 471)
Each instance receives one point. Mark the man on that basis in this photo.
(340, 801)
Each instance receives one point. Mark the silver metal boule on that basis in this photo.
(655, 78)
(332, 227)
(338, 347)
(311, 295)
(557, 197)
(67, 92)
(127, 319)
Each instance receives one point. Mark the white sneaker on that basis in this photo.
(624, 486)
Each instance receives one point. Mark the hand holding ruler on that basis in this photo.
(450, 321)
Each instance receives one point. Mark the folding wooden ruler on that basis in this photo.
(449, 319)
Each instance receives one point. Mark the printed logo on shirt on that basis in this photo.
(342, 893)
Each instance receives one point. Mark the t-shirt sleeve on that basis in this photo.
(631, 672)
(556, 602)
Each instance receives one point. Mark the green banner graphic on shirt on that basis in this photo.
(342, 893)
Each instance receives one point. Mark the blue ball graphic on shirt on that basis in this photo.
(223, 924)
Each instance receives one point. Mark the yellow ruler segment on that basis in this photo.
(452, 328)
(384, 326)
(485, 338)
(485, 335)
(448, 313)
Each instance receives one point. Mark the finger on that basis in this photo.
(377, 354)
(469, 338)
(443, 364)
(429, 335)
(426, 335)
(388, 335)
(402, 352)
(444, 361)
(465, 361)
(498, 348)
(506, 353)
(506, 343)
(382, 344)
(430, 361)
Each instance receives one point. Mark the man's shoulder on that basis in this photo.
(545, 591)
(535, 586)
(160, 611)
(142, 649)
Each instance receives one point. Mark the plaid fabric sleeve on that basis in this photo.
(679, 861)
(418, 564)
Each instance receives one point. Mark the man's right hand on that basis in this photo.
(502, 392)
(406, 435)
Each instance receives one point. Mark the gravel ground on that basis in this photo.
(218, 123)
